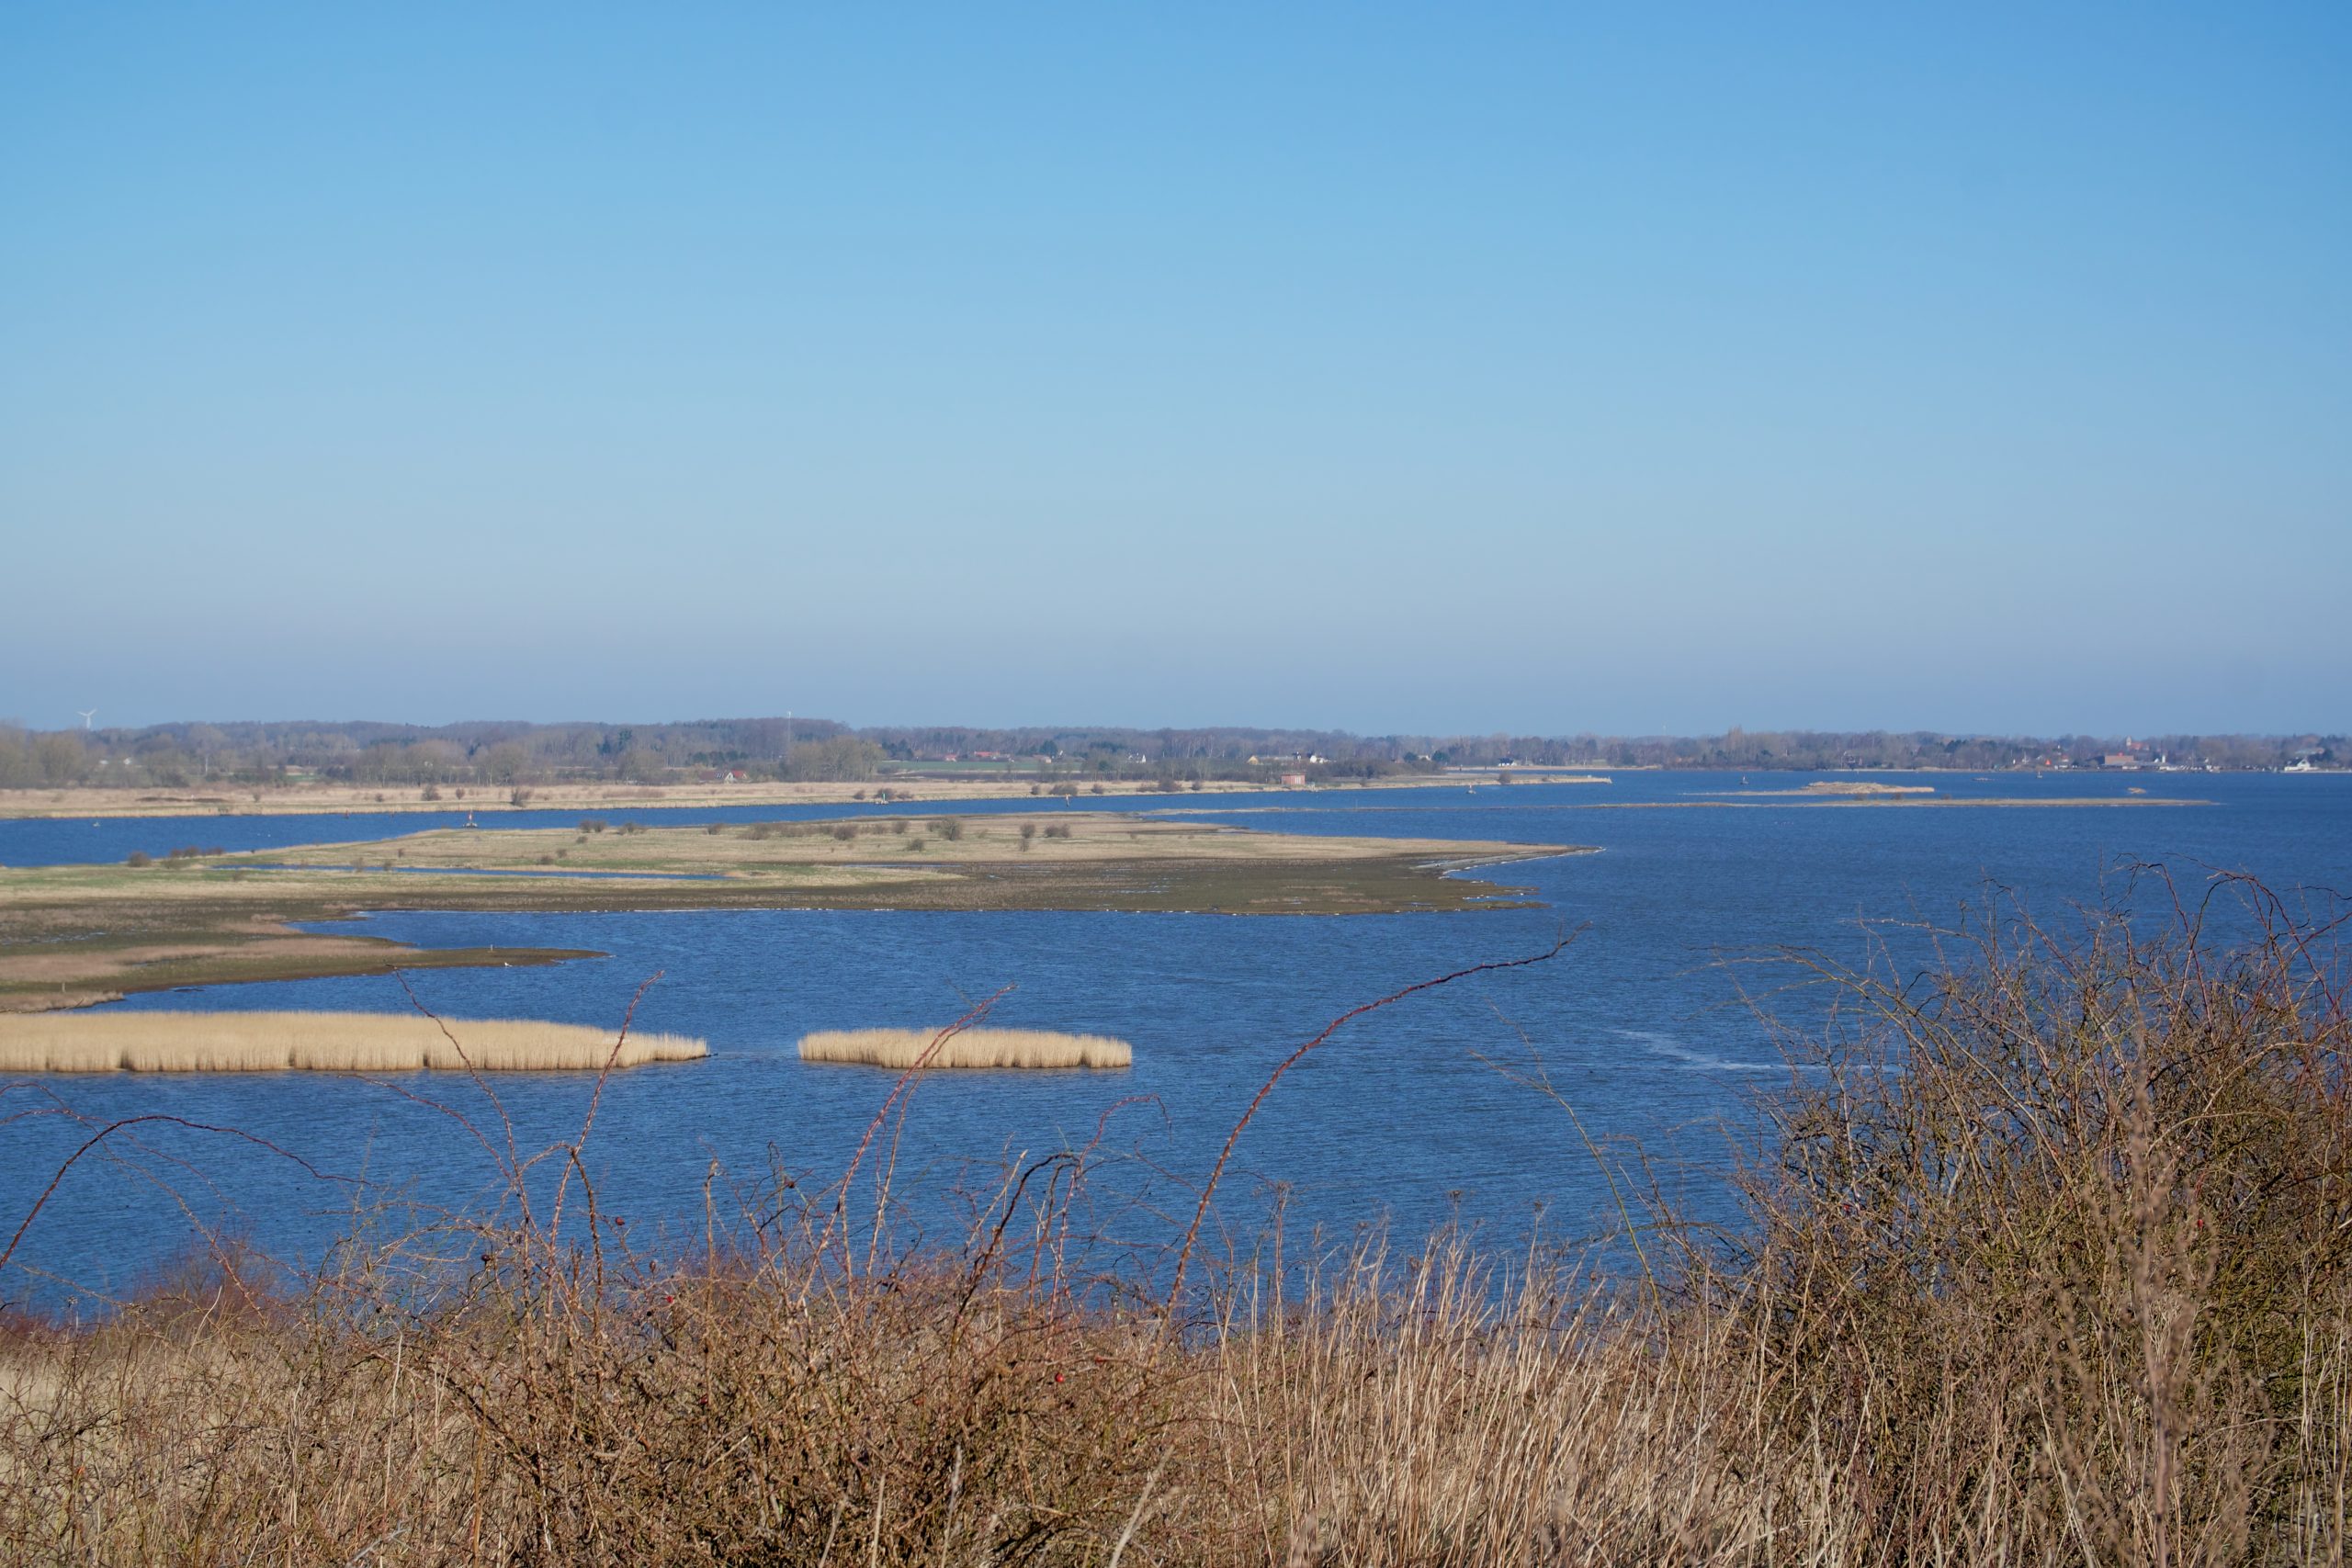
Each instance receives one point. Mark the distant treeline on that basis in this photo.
(517, 755)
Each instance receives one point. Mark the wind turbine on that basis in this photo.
(87, 715)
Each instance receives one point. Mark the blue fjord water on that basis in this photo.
(1413, 1115)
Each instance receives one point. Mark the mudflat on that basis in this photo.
(77, 934)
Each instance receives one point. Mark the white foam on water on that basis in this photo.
(1700, 1061)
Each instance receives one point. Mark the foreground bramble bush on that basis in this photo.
(2057, 1246)
(2047, 1263)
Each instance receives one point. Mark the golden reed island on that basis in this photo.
(902, 1048)
(317, 1041)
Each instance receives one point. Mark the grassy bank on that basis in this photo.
(72, 935)
(493, 801)
(318, 1041)
(2048, 1259)
(277, 800)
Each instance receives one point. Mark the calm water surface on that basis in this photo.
(1411, 1115)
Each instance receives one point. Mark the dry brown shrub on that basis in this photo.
(2055, 1248)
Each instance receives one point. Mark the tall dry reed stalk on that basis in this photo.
(2047, 1263)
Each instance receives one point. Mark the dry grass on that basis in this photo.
(2071, 1285)
(904, 1048)
(751, 848)
(315, 1042)
(488, 802)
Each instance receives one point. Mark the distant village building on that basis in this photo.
(1294, 781)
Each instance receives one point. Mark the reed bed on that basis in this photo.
(904, 1048)
(34, 1043)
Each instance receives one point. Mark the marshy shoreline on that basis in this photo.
(75, 935)
(98, 803)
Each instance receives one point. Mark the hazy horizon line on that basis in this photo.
(1335, 729)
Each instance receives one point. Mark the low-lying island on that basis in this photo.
(74, 935)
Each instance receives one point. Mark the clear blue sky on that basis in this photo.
(1630, 368)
